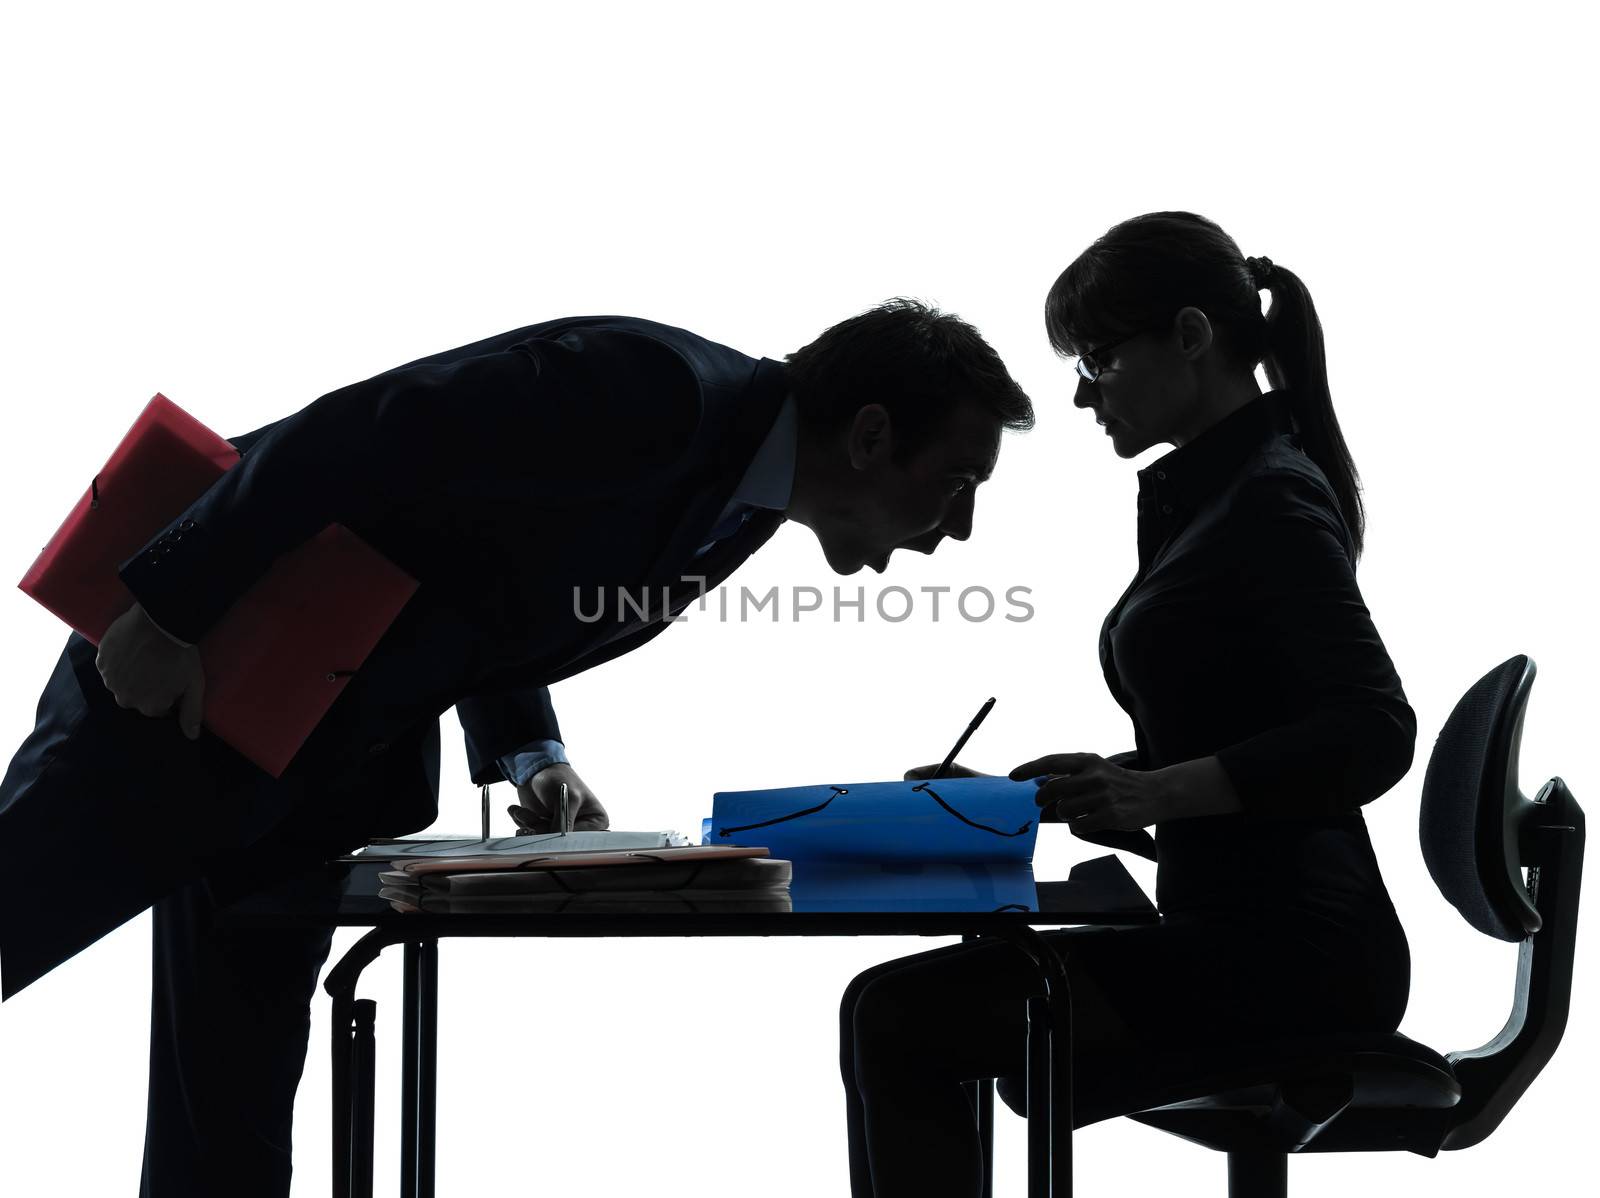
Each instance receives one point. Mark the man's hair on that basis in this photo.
(918, 362)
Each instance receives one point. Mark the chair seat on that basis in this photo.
(1374, 1070)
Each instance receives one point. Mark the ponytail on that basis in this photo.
(1295, 362)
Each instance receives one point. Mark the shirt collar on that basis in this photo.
(1180, 480)
(770, 477)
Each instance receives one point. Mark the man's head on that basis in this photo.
(901, 410)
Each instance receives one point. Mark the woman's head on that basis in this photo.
(1164, 315)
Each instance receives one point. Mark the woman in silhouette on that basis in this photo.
(1265, 711)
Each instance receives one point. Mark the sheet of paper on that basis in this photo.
(522, 846)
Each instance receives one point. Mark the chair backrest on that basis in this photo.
(1473, 811)
(1478, 833)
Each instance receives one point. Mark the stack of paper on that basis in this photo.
(688, 877)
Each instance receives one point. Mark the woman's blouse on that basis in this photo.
(1244, 636)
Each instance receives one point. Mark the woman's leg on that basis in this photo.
(855, 1115)
(912, 1031)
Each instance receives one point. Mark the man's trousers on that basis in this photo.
(182, 827)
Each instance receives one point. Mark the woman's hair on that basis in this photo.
(1143, 271)
(918, 362)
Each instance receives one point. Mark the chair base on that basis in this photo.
(1258, 1175)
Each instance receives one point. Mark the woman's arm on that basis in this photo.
(1348, 734)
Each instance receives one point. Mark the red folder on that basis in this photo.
(279, 657)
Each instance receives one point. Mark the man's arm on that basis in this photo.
(538, 767)
(574, 418)
(527, 761)
(503, 725)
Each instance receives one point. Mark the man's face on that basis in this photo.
(875, 504)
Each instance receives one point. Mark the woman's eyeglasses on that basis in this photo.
(1090, 364)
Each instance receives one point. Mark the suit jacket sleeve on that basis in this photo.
(583, 416)
(1348, 733)
(499, 724)
(520, 765)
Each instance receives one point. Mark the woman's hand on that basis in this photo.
(1087, 792)
(1090, 794)
(540, 796)
(921, 773)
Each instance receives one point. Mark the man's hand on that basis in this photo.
(921, 773)
(539, 798)
(1089, 794)
(147, 670)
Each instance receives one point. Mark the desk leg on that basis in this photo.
(363, 1056)
(343, 1021)
(427, 1074)
(986, 1132)
(418, 1085)
(408, 1072)
(353, 1062)
(354, 1055)
(1049, 1070)
(981, 1095)
(1039, 1098)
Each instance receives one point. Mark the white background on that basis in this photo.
(247, 208)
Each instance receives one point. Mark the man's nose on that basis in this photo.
(1084, 395)
(958, 520)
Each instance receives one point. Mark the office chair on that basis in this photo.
(1381, 1092)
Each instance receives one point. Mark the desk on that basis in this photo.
(345, 894)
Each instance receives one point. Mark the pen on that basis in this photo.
(562, 824)
(486, 813)
(961, 743)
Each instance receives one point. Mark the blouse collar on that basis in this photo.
(1180, 480)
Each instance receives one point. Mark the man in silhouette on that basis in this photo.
(518, 479)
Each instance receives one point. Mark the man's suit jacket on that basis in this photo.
(518, 478)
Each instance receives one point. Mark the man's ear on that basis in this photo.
(1193, 332)
(871, 438)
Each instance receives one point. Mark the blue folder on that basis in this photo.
(951, 820)
(925, 886)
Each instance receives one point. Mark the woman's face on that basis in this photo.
(1146, 391)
